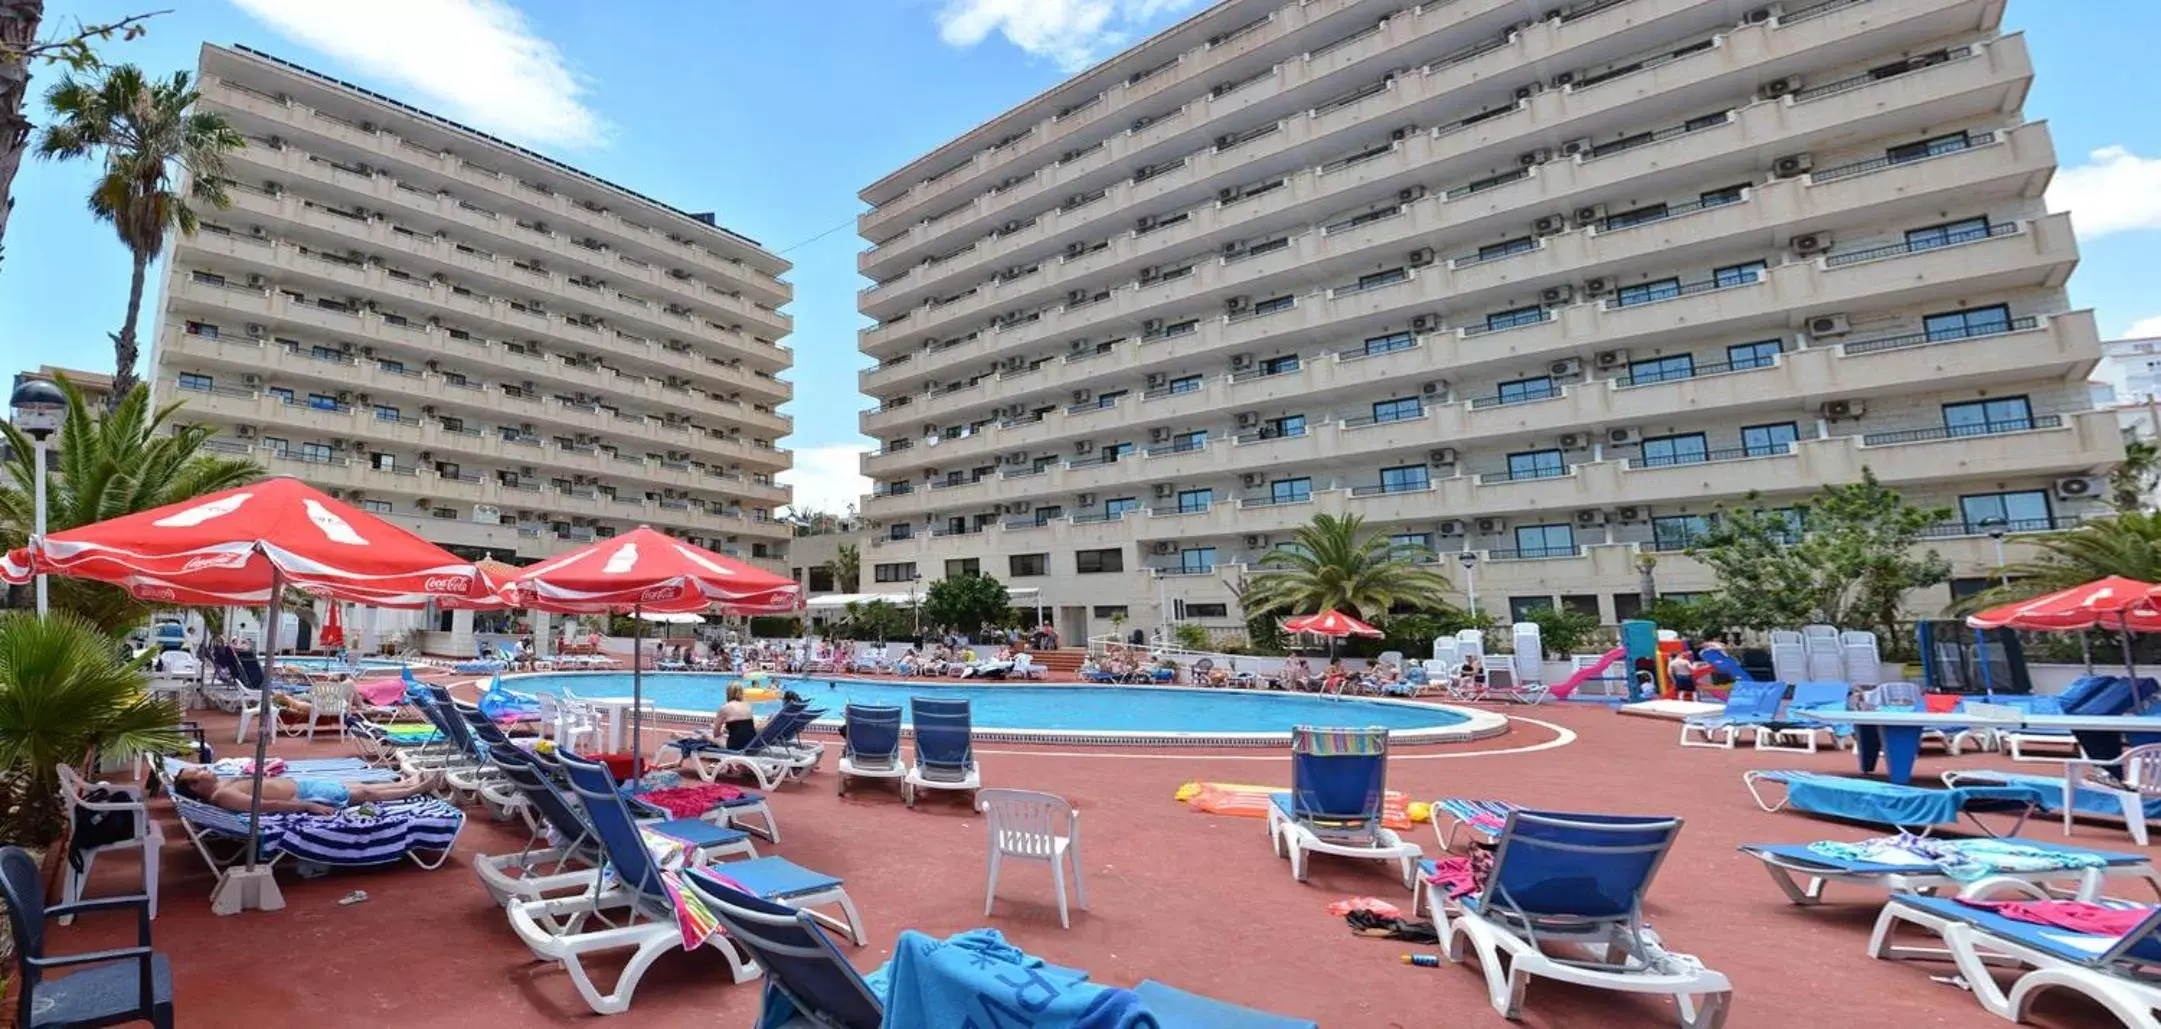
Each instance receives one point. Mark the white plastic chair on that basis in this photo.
(329, 700)
(2137, 774)
(74, 793)
(1033, 826)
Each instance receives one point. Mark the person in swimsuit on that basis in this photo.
(733, 723)
(296, 793)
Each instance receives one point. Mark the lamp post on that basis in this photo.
(37, 405)
(1470, 579)
(1998, 528)
(916, 608)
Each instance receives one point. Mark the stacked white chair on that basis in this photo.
(1864, 664)
(1789, 656)
(1826, 660)
(1471, 642)
(1529, 658)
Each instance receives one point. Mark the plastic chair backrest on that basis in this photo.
(943, 732)
(2083, 688)
(609, 816)
(1339, 775)
(1577, 867)
(2141, 767)
(1027, 823)
(799, 959)
(25, 891)
(331, 698)
(523, 772)
(873, 732)
(1897, 695)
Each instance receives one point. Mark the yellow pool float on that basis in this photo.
(761, 694)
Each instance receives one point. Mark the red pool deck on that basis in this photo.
(1192, 899)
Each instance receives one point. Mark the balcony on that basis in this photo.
(1970, 431)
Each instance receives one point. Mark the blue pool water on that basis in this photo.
(324, 662)
(1135, 709)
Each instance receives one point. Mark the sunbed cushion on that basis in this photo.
(1867, 800)
(2083, 689)
(777, 877)
(1174, 1008)
(697, 833)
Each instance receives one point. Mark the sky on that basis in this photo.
(775, 113)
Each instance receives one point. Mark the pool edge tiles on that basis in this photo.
(1472, 724)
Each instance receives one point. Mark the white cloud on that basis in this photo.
(2144, 328)
(828, 479)
(2115, 191)
(1072, 34)
(474, 61)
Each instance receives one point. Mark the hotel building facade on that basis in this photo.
(1542, 284)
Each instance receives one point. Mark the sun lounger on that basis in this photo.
(944, 749)
(1912, 808)
(636, 909)
(419, 829)
(2132, 790)
(1564, 901)
(1799, 731)
(808, 982)
(2116, 972)
(1790, 863)
(1749, 705)
(1339, 782)
(1480, 819)
(2099, 696)
(767, 757)
(872, 747)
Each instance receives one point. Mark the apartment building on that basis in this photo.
(1533, 287)
(487, 346)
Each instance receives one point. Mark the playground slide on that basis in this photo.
(1589, 672)
(1725, 664)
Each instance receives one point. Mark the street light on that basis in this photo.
(37, 405)
(1470, 579)
(1998, 527)
(914, 607)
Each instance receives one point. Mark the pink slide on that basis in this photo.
(1596, 669)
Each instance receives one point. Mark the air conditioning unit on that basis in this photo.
(1410, 194)
(276, 189)
(1142, 123)
(1441, 456)
(1590, 215)
(1225, 142)
(1608, 360)
(1146, 223)
(1628, 514)
(2080, 486)
(337, 494)
(1575, 441)
(1781, 87)
(1597, 287)
(1157, 379)
(1086, 499)
(1564, 80)
(255, 280)
(1234, 248)
(1163, 490)
(1757, 16)
(252, 379)
(1623, 436)
(258, 231)
(1253, 480)
(1576, 148)
(1159, 435)
(1533, 158)
(1426, 323)
(1793, 166)
(1082, 396)
(1241, 362)
(1436, 389)
(1421, 257)
(1492, 526)
(1078, 296)
(245, 432)
(1550, 225)
(1083, 446)
(1401, 134)
(1811, 244)
(1527, 92)
(1557, 296)
(1021, 507)
(1829, 325)
(1256, 542)
(1451, 527)
(256, 330)
(1018, 457)
(1565, 368)
(1075, 249)
(1163, 547)
(1077, 346)
(1238, 305)
(1839, 410)
(1152, 326)
(1591, 517)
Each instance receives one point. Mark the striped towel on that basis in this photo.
(364, 834)
(696, 921)
(1486, 816)
(1328, 742)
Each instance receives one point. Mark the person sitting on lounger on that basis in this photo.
(1470, 674)
(733, 723)
(305, 794)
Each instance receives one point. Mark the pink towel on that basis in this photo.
(2077, 916)
(380, 692)
(691, 801)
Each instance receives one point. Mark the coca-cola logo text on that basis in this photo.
(447, 584)
(661, 593)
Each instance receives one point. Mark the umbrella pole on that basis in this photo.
(637, 693)
(2085, 648)
(252, 886)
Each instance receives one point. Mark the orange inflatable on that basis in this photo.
(1248, 801)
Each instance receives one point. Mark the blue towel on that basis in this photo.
(1867, 800)
(2087, 801)
(977, 978)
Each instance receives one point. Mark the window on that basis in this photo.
(1402, 409)
(323, 353)
(1496, 251)
(1947, 234)
(393, 367)
(1983, 417)
(1581, 603)
(1688, 448)
(820, 580)
(196, 381)
(1728, 195)
(959, 566)
(1189, 441)
(2020, 511)
(1521, 390)
(1738, 274)
(203, 329)
(1762, 354)
(1197, 560)
(1545, 541)
(1678, 532)
(1028, 566)
(1662, 369)
(1116, 507)
(385, 413)
(1981, 321)
(388, 463)
(1789, 515)
(1192, 501)
(1536, 464)
(1418, 545)
(207, 278)
(1290, 491)
(1646, 292)
(1280, 365)
(1096, 562)
(1185, 384)
(1110, 612)
(900, 571)
(1365, 282)
(281, 394)
(381, 507)
(1511, 319)
(1638, 216)
(900, 531)
(275, 445)
(1627, 606)
(1410, 478)
(1274, 304)
(316, 452)
(322, 402)
(1111, 452)
(1207, 610)
(1926, 148)
(1520, 609)
(1769, 440)
(1290, 426)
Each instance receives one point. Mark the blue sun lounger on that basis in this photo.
(1749, 705)
(2116, 972)
(944, 749)
(1788, 863)
(1798, 729)
(871, 744)
(968, 979)
(769, 756)
(1911, 808)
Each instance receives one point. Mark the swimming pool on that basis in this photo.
(1158, 715)
(322, 663)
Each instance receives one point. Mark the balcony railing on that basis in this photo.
(1919, 339)
(1383, 489)
(1627, 220)
(1953, 530)
(1710, 456)
(1275, 501)
(1652, 377)
(1939, 149)
(1684, 289)
(1528, 396)
(1693, 125)
(1922, 245)
(2005, 427)
(1525, 474)
(1264, 435)
(1505, 324)
(1535, 553)
(1850, 83)
(1367, 420)
(1095, 517)
(942, 531)
(1184, 446)
(1172, 570)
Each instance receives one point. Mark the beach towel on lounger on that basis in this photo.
(365, 834)
(1867, 800)
(1963, 860)
(977, 978)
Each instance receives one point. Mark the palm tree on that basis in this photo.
(1647, 578)
(113, 463)
(65, 695)
(2128, 545)
(847, 567)
(1333, 563)
(2131, 483)
(147, 132)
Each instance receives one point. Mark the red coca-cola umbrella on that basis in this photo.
(1333, 624)
(244, 546)
(333, 634)
(2111, 603)
(645, 571)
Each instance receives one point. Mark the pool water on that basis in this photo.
(1111, 709)
(319, 663)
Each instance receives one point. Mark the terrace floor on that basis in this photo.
(1194, 900)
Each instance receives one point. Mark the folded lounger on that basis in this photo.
(933, 983)
(634, 909)
(944, 749)
(1339, 783)
(872, 745)
(1564, 901)
(1749, 705)
(1911, 808)
(1788, 863)
(2117, 972)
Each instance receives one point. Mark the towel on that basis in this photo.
(380, 692)
(691, 801)
(696, 921)
(977, 978)
(1962, 860)
(2077, 916)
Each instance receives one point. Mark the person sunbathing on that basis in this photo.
(296, 794)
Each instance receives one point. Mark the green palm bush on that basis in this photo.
(66, 696)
